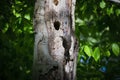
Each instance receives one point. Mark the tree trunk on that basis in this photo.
(55, 48)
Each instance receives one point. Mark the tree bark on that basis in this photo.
(55, 48)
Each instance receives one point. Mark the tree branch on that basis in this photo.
(116, 1)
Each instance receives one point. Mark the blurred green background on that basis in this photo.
(97, 29)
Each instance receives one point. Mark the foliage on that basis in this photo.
(98, 31)
(16, 39)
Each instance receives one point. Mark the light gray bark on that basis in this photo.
(55, 48)
(116, 1)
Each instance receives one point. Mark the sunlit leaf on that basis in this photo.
(110, 11)
(102, 4)
(107, 53)
(96, 54)
(87, 50)
(19, 31)
(115, 49)
(18, 2)
(80, 22)
(27, 16)
(15, 13)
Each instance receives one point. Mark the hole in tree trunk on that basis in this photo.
(57, 25)
(56, 2)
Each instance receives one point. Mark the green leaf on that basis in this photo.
(87, 50)
(93, 40)
(118, 12)
(96, 54)
(27, 71)
(115, 49)
(27, 16)
(107, 53)
(102, 4)
(80, 22)
(110, 11)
